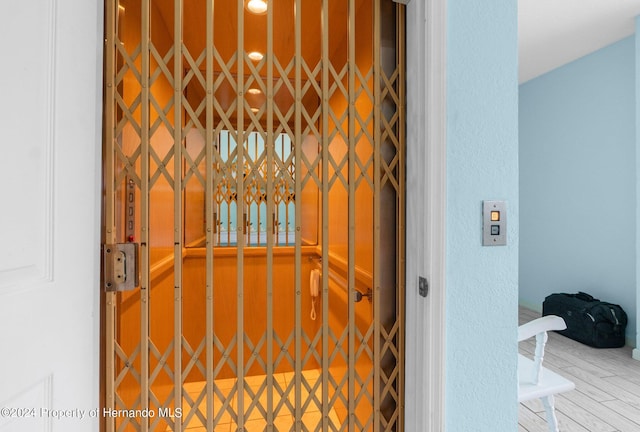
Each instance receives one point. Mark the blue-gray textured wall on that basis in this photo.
(578, 181)
(482, 164)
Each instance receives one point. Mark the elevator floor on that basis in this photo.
(256, 423)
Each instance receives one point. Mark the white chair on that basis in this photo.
(534, 380)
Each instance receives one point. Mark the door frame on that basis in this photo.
(426, 214)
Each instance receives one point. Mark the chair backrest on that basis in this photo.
(539, 328)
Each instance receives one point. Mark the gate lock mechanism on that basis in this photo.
(120, 266)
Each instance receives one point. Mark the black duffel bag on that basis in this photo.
(590, 321)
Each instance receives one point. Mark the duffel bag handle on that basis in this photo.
(584, 296)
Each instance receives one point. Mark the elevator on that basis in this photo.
(254, 210)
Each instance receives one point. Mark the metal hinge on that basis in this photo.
(120, 266)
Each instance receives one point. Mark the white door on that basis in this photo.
(50, 141)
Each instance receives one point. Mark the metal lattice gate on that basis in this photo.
(254, 173)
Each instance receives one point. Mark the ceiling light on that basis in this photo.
(258, 7)
(254, 91)
(255, 55)
(255, 110)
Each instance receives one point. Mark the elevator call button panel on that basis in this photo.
(494, 223)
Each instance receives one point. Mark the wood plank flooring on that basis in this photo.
(607, 394)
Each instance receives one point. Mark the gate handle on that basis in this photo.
(358, 295)
(120, 266)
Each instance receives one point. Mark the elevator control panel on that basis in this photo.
(130, 216)
(494, 223)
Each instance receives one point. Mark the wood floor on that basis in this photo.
(607, 394)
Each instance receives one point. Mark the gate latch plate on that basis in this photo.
(120, 266)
